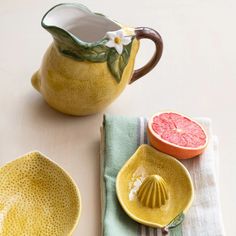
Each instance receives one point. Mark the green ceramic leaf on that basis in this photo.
(72, 47)
(176, 221)
(96, 53)
(175, 226)
(77, 49)
(117, 62)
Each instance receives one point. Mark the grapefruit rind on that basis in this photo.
(180, 152)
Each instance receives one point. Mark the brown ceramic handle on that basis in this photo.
(148, 33)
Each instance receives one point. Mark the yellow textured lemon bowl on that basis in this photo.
(154, 188)
(37, 197)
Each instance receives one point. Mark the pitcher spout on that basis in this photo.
(35, 80)
(76, 24)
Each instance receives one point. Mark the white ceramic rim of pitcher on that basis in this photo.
(78, 40)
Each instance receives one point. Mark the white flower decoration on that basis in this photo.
(117, 39)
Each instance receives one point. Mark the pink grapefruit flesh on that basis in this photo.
(177, 135)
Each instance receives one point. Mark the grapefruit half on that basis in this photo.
(176, 135)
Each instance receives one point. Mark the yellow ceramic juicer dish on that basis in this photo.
(154, 188)
(37, 197)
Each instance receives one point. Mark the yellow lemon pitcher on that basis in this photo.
(91, 59)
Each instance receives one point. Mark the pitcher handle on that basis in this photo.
(148, 33)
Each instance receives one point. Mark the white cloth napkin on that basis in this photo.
(204, 217)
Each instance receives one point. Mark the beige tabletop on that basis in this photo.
(195, 76)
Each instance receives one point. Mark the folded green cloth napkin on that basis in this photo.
(121, 136)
